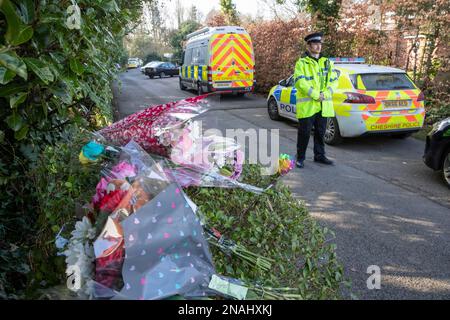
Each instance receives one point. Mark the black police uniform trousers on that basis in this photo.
(305, 126)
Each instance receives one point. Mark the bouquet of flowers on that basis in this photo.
(143, 238)
(127, 224)
(285, 164)
(158, 128)
(169, 130)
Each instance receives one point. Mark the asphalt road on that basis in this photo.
(385, 206)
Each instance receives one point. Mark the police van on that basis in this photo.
(370, 99)
(218, 59)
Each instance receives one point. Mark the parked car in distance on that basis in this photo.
(437, 149)
(162, 69)
(148, 65)
(134, 63)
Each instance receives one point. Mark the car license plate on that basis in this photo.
(222, 84)
(396, 104)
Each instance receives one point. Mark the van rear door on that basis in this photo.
(232, 60)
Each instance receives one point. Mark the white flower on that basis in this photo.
(84, 230)
(80, 254)
(80, 258)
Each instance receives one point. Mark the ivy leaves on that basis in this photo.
(16, 100)
(17, 32)
(14, 64)
(53, 80)
(6, 75)
(40, 69)
(76, 67)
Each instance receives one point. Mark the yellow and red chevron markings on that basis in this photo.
(380, 119)
(232, 59)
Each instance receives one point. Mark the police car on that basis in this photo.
(370, 99)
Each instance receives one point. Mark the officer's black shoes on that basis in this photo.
(300, 164)
(324, 160)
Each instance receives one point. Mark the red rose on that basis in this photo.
(108, 270)
(110, 201)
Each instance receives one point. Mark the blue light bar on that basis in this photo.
(348, 60)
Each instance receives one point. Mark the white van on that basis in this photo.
(218, 59)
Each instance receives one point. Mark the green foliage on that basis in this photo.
(324, 11)
(326, 8)
(63, 187)
(55, 78)
(178, 37)
(153, 56)
(276, 226)
(230, 12)
(437, 107)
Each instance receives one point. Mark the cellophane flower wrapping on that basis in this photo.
(157, 128)
(150, 242)
(170, 131)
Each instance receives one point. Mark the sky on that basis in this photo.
(250, 7)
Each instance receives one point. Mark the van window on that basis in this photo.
(384, 81)
(188, 57)
(203, 55)
(195, 55)
(199, 55)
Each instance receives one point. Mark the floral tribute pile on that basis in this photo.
(143, 237)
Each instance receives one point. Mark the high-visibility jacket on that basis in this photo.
(311, 77)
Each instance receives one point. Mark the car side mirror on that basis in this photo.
(282, 83)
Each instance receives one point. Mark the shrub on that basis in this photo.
(55, 78)
(277, 47)
(276, 226)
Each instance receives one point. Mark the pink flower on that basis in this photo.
(100, 192)
(123, 170)
(238, 163)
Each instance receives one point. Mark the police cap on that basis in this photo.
(314, 37)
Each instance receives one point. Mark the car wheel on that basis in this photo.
(171, 75)
(162, 75)
(272, 108)
(182, 87)
(151, 77)
(332, 133)
(446, 168)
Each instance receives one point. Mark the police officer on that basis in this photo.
(315, 81)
